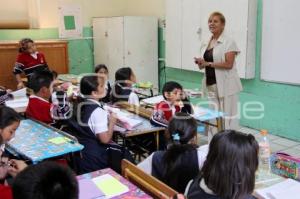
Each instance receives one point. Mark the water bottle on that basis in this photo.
(264, 151)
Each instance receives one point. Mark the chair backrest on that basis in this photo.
(146, 182)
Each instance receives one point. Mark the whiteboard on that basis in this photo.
(280, 41)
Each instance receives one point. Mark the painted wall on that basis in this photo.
(281, 101)
(81, 50)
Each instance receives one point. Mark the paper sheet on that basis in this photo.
(110, 186)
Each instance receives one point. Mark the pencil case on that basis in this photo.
(285, 165)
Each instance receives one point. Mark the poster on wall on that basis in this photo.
(70, 21)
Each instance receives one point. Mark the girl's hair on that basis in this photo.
(24, 44)
(8, 116)
(99, 67)
(182, 128)
(90, 83)
(229, 169)
(218, 14)
(121, 75)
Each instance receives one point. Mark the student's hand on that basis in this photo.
(113, 118)
(16, 167)
(20, 85)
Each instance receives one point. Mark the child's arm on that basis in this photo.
(105, 137)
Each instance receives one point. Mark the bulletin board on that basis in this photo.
(70, 21)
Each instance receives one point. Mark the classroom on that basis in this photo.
(118, 97)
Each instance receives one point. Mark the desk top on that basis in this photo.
(134, 191)
(37, 141)
(143, 128)
(205, 114)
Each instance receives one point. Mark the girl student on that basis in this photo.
(182, 160)
(95, 124)
(229, 169)
(28, 61)
(102, 70)
(122, 89)
(9, 122)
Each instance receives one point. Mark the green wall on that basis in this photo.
(281, 101)
(80, 50)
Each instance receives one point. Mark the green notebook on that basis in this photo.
(110, 186)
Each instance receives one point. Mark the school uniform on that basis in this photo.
(163, 112)
(108, 89)
(155, 166)
(5, 192)
(93, 120)
(124, 94)
(29, 63)
(197, 189)
(222, 85)
(39, 109)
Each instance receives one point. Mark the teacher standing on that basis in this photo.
(221, 80)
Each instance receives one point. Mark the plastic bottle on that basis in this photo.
(264, 151)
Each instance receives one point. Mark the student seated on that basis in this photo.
(9, 122)
(182, 160)
(39, 106)
(96, 125)
(229, 169)
(102, 70)
(29, 60)
(164, 110)
(122, 89)
(46, 180)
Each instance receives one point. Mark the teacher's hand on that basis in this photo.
(199, 62)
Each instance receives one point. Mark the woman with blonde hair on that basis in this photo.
(221, 78)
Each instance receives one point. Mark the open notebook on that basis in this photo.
(287, 189)
(20, 99)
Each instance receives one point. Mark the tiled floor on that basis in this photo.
(277, 143)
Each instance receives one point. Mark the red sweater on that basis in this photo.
(163, 113)
(5, 192)
(28, 64)
(39, 109)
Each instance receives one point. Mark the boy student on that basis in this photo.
(39, 106)
(165, 109)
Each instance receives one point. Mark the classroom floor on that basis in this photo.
(277, 143)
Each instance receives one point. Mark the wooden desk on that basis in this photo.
(55, 51)
(134, 191)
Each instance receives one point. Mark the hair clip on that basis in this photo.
(176, 137)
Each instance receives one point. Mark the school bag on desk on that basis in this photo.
(285, 165)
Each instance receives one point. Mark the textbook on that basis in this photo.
(283, 190)
(126, 120)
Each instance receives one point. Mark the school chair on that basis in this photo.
(146, 182)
